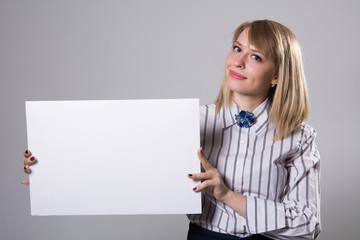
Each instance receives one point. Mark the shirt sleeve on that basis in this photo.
(297, 216)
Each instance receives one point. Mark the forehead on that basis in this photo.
(255, 41)
(244, 40)
(243, 37)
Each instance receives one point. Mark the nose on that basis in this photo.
(239, 61)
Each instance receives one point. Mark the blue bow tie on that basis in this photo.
(245, 119)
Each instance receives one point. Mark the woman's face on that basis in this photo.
(248, 72)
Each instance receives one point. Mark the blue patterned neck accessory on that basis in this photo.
(244, 119)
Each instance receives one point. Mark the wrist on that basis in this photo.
(227, 196)
(236, 201)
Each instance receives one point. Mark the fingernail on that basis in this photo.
(190, 175)
(26, 151)
(24, 168)
(194, 189)
(32, 158)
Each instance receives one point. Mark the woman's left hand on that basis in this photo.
(211, 180)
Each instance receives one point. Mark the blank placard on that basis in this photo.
(113, 156)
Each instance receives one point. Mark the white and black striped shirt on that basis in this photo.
(279, 178)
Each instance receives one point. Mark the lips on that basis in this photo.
(236, 75)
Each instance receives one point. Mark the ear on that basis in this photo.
(274, 81)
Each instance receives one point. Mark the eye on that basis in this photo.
(236, 49)
(256, 57)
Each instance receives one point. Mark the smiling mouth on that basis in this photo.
(236, 75)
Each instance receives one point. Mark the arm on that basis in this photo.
(296, 216)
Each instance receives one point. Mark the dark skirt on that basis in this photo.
(199, 233)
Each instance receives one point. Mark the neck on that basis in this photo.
(247, 102)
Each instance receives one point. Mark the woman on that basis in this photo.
(260, 161)
(261, 169)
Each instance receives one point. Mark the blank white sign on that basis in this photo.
(113, 157)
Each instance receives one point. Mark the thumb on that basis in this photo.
(204, 162)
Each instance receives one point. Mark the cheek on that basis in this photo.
(227, 66)
(265, 76)
(228, 61)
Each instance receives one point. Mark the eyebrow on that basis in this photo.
(253, 50)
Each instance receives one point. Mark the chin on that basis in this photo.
(235, 86)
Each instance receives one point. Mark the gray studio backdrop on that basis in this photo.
(79, 50)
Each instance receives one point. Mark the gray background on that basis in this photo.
(52, 50)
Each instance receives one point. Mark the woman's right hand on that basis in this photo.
(29, 160)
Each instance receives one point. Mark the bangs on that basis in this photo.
(261, 34)
(262, 37)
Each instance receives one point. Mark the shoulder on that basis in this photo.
(305, 135)
(207, 110)
(304, 150)
(209, 116)
(206, 107)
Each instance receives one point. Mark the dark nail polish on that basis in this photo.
(24, 168)
(194, 189)
(32, 158)
(26, 151)
(190, 175)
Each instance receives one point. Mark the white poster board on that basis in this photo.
(113, 156)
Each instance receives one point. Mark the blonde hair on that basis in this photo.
(289, 103)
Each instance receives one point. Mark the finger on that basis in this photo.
(204, 162)
(27, 169)
(27, 153)
(30, 160)
(199, 176)
(203, 185)
(25, 182)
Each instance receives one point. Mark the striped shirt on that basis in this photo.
(280, 179)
